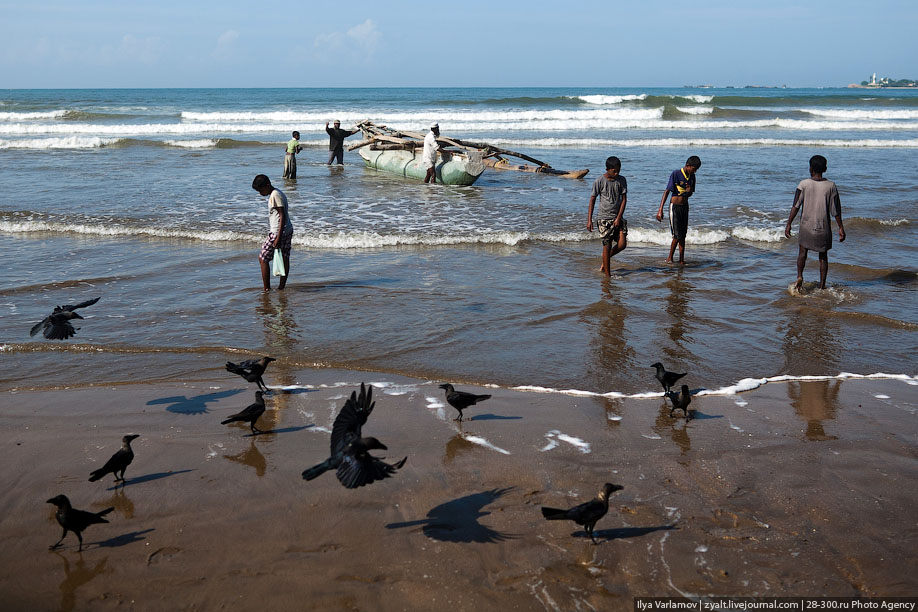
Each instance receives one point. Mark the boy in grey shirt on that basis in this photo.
(818, 199)
(612, 190)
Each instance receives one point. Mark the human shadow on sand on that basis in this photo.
(181, 404)
(146, 478)
(622, 533)
(457, 520)
(124, 539)
(493, 417)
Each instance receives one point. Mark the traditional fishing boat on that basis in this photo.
(459, 162)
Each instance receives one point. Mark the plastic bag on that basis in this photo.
(278, 264)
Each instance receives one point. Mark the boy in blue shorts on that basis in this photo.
(280, 234)
(682, 185)
(612, 190)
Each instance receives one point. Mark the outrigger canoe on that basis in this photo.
(459, 162)
(453, 168)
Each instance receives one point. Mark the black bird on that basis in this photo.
(118, 462)
(667, 379)
(250, 413)
(251, 370)
(460, 400)
(57, 325)
(680, 401)
(74, 520)
(587, 513)
(349, 452)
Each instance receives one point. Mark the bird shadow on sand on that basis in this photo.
(181, 404)
(621, 533)
(457, 520)
(493, 417)
(277, 431)
(124, 539)
(700, 416)
(146, 478)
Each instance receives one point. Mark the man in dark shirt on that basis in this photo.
(336, 138)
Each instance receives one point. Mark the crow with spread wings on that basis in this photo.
(350, 453)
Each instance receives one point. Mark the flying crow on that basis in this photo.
(350, 454)
(57, 325)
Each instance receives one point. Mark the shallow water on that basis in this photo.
(493, 283)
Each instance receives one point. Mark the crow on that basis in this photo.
(251, 370)
(57, 325)
(667, 379)
(250, 413)
(680, 401)
(74, 520)
(460, 400)
(350, 455)
(587, 513)
(118, 462)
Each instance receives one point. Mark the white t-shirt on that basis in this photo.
(277, 200)
(431, 146)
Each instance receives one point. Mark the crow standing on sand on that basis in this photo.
(680, 401)
(119, 461)
(57, 325)
(250, 413)
(251, 370)
(349, 452)
(667, 379)
(460, 400)
(74, 520)
(585, 514)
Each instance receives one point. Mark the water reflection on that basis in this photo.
(815, 402)
(812, 342)
(77, 576)
(610, 336)
(251, 457)
(456, 445)
(680, 317)
(676, 429)
(120, 502)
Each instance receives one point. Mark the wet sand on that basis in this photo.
(798, 488)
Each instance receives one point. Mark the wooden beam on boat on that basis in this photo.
(502, 164)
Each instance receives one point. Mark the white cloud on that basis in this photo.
(358, 44)
(145, 50)
(226, 43)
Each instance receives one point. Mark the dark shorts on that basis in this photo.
(267, 249)
(678, 220)
(611, 234)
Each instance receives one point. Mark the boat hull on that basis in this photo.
(452, 168)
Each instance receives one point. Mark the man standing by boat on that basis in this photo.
(336, 138)
(431, 146)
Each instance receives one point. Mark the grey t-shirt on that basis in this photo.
(818, 202)
(610, 192)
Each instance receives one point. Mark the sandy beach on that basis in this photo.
(795, 488)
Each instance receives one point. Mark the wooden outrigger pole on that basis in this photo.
(494, 157)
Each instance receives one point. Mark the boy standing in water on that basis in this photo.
(818, 197)
(682, 185)
(293, 147)
(280, 235)
(612, 189)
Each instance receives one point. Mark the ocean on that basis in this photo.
(144, 197)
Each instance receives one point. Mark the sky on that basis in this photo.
(467, 43)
